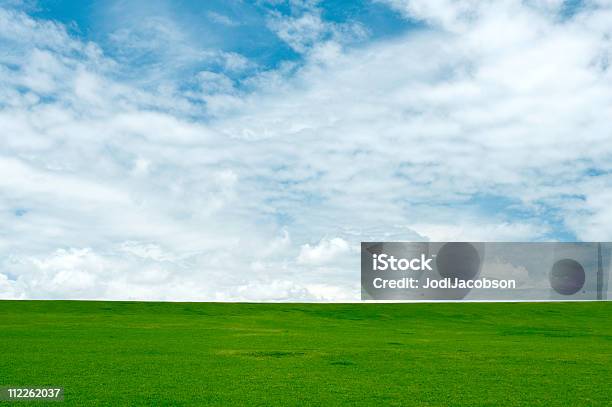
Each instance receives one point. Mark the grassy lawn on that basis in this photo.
(122, 353)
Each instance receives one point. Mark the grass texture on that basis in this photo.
(452, 354)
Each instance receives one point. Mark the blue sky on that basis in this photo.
(242, 150)
(232, 26)
(239, 27)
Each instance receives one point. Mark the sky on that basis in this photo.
(241, 151)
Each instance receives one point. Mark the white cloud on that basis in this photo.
(499, 269)
(305, 29)
(147, 251)
(478, 232)
(222, 19)
(117, 189)
(447, 13)
(323, 252)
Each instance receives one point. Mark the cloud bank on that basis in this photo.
(209, 177)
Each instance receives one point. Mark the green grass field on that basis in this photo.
(120, 353)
